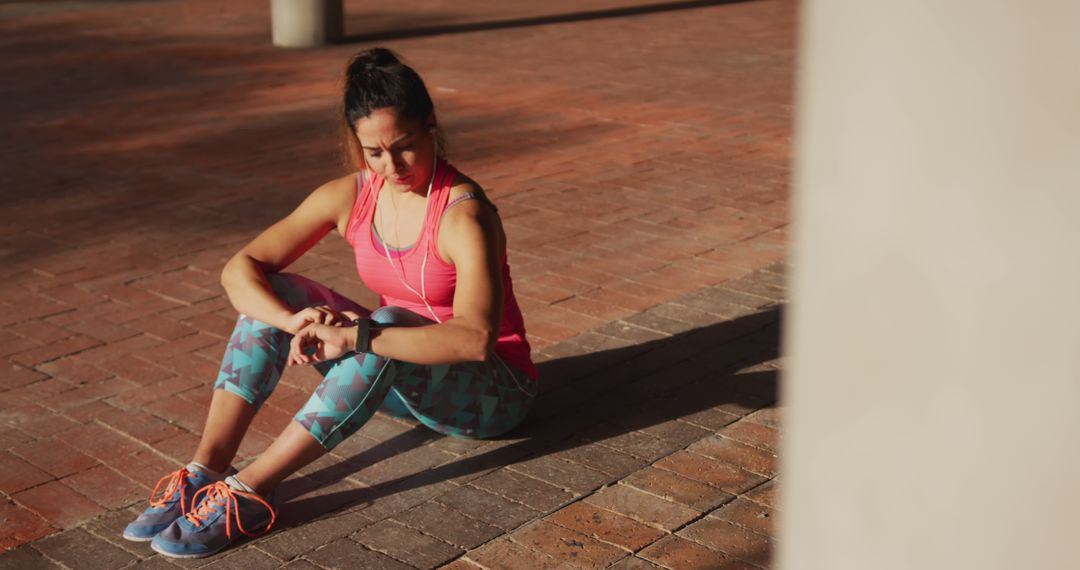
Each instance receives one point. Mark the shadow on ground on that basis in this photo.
(585, 398)
(407, 28)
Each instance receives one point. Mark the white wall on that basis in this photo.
(932, 391)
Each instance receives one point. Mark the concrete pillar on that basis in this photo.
(932, 391)
(306, 23)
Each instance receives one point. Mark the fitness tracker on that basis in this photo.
(363, 334)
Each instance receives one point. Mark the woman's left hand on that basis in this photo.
(318, 343)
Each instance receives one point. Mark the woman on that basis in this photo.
(447, 345)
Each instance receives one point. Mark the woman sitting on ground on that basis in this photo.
(446, 346)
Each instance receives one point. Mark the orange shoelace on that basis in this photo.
(221, 493)
(177, 481)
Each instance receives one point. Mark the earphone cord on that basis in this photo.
(422, 294)
(423, 267)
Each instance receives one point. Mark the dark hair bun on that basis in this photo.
(377, 79)
(371, 59)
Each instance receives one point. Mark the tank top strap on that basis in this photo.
(444, 180)
(364, 182)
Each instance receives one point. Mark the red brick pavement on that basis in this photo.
(640, 163)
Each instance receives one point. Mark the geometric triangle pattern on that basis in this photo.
(469, 399)
(256, 352)
(254, 359)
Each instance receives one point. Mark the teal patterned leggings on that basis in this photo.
(469, 399)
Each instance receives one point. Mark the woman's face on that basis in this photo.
(400, 150)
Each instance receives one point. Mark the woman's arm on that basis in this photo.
(244, 276)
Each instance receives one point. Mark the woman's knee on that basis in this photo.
(288, 287)
(299, 292)
(390, 315)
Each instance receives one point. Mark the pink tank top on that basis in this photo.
(440, 278)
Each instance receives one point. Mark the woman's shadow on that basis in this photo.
(584, 398)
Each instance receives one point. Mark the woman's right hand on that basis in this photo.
(320, 315)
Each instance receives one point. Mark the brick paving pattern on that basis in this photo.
(639, 156)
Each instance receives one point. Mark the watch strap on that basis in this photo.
(363, 334)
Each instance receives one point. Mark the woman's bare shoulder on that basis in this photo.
(462, 185)
(471, 220)
(340, 188)
(337, 197)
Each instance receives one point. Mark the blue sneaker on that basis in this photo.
(209, 527)
(174, 502)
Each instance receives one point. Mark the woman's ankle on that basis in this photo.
(207, 470)
(252, 482)
(213, 463)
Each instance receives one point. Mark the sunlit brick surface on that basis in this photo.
(639, 156)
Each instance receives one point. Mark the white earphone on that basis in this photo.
(423, 264)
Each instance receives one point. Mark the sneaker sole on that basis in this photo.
(133, 538)
(163, 552)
